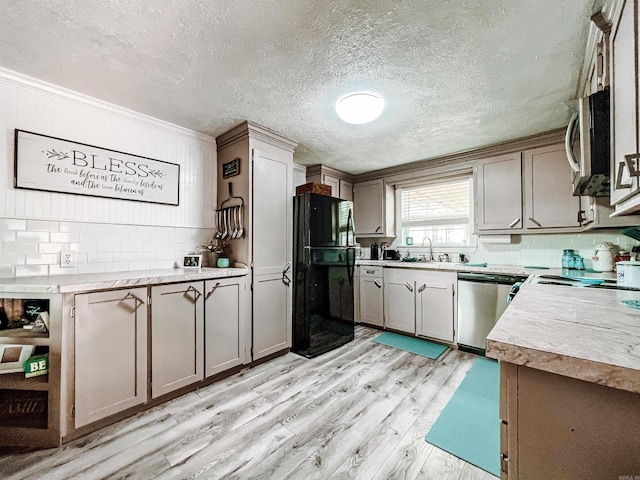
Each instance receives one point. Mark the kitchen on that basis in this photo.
(110, 238)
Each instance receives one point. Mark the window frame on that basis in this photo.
(400, 240)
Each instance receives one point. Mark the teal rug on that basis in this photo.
(469, 426)
(411, 344)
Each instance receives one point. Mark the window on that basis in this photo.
(440, 211)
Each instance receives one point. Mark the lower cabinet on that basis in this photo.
(177, 332)
(371, 296)
(271, 315)
(224, 325)
(110, 353)
(399, 300)
(436, 305)
(420, 302)
(554, 426)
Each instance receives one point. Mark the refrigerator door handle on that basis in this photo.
(351, 226)
(351, 264)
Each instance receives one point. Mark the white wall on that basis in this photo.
(106, 234)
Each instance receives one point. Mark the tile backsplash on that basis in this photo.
(32, 247)
(532, 250)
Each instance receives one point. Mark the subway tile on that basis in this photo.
(135, 256)
(108, 247)
(65, 237)
(7, 271)
(73, 227)
(91, 268)
(100, 257)
(53, 247)
(7, 236)
(139, 265)
(162, 264)
(133, 247)
(42, 259)
(12, 259)
(58, 270)
(83, 247)
(43, 226)
(31, 270)
(20, 247)
(116, 266)
(32, 237)
(13, 224)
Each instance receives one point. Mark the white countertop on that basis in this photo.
(104, 281)
(583, 333)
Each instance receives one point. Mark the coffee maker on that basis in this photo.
(375, 255)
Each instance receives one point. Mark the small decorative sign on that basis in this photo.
(231, 168)
(55, 165)
(36, 366)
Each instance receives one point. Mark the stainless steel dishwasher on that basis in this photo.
(482, 297)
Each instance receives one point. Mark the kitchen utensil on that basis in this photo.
(603, 257)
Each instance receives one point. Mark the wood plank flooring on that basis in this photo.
(358, 412)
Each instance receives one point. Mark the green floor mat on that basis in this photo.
(469, 425)
(411, 344)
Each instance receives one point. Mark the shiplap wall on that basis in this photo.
(106, 233)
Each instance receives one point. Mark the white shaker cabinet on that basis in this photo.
(399, 300)
(625, 107)
(224, 340)
(548, 191)
(177, 336)
(110, 343)
(499, 193)
(373, 209)
(265, 182)
(371, 296)
(436, 305)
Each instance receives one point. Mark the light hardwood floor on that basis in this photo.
(358, 412)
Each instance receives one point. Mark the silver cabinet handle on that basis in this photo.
(378, 284)
(409, 286)
(422, 288)
(535, 221)
(379, 229)
(514, 223)
(371, 272)
(215, 287)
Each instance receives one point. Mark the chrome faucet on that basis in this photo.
(430, 248)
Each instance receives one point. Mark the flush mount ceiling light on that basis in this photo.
(359, 107)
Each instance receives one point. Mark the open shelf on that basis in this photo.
(17, 381)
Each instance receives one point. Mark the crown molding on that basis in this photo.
(533, 141)
(253, 130)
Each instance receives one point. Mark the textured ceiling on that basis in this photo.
(455, 74)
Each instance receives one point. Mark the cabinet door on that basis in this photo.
(272, 251)
(435, 305)
(368, 208)
(223, 325)
(499, 193)
(548, 192)
(333, 182)
(177, 336)
(624, 102)
(346, 190)
(371, 301)
(399, 301)
(110, 353)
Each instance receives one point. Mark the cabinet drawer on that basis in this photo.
(366, 271)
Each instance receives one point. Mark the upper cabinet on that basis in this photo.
(373, 209)
(499, 193)
(341, 183)
(526, 192)
(625, 108)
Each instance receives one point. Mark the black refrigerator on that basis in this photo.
(323, 268)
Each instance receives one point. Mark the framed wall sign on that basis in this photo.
(231, 168)
(55, 165)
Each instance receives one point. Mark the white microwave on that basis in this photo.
(587, 143)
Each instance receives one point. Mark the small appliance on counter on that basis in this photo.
(375, 254)
(628, 274)
(391, 254)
